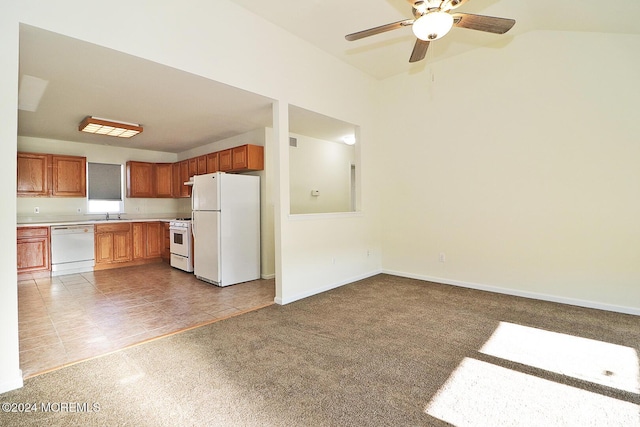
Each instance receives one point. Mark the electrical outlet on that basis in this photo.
(333, 260)
(368, 253)
(442, 257)
(36, 210)
(79, 210)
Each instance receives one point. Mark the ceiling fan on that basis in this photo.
(434, 20)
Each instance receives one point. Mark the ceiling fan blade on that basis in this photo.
(377, 30)
(489, 24)
(419, 50)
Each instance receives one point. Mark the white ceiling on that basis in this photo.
(324, 23)
(177, 110)
(180, 111)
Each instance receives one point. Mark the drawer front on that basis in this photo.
(110, 228)
(26, 232)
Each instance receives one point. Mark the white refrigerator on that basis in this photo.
(226, 228)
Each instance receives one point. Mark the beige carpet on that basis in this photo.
(382, 351)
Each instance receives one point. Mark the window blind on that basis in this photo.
(105, 181)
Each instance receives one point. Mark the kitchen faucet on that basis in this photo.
(107, 216)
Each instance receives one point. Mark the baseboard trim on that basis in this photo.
(302, 295)
(518, 293)
(12, 384)
(268, 276)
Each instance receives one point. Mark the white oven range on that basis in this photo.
(181, 246)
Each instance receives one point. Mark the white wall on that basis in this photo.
(315, 164)
(524, 172)
(204, 38)
(61, 208)
(10, 374)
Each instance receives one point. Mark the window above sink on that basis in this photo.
(105, 182)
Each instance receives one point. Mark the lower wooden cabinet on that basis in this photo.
(112, 243)
(166, 242)
(131, 243)
(154, 239)
(147, 240)
(116, 244)
(33, 249)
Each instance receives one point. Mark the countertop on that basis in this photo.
(55, 222)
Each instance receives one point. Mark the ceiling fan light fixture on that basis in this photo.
(99, 126)
(432, 26)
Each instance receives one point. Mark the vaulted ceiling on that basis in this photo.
(181, 111)
(324, 23)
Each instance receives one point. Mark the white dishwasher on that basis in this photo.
(71, 249)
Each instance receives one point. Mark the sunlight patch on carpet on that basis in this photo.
(599, 362)
(482, 394)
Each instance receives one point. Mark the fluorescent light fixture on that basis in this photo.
(109, 127)
(349, 139)
(432, 25)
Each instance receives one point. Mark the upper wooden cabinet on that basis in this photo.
(193, 166)
(202, 164)
(164, 180)
(52, 175)
(212, 162)
(175, 179)
(33, 174)
(225, 164)
(69, 177)
(185, 190)
(47, 175)
(243, 158)
(180, 175)
(141, 179)
(247, 157)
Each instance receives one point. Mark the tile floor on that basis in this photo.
(69, 318)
